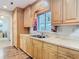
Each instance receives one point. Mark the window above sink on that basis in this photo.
(43, 22)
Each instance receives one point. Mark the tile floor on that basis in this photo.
(9, 52)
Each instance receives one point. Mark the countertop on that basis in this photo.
(64, 42)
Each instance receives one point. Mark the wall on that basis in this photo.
(7, 22)
(67, 30)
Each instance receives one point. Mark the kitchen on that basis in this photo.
(46, 29)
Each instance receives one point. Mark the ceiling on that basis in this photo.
(6, 4)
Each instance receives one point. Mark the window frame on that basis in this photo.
(43, 12)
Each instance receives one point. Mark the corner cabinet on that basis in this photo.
(28, 21)
(49, 51)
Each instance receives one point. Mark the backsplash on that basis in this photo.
(67, 30)
(72, 31)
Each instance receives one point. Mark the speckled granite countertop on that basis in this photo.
(68, 43)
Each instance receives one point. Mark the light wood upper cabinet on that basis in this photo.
(64, 11)
(69, 11)
(49, 51)
(28, 21)
(64, 53)
(37, 49)
(56, 9)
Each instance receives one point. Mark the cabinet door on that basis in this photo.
(37, 49)
(69, 11)
(28, 17)
(23, 43)
(60, 56)
(65, 53)
(56, 9)
(29, 47)
(77, 10)
(49, 51)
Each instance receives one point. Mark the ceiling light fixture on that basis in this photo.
(5, 6)
(11, 3)
(2, 17)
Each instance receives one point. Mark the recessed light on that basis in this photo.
(4, 6)
(11, 3)
(2, 17)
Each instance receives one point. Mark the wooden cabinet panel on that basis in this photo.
(49, 51)
(64, 11)
(60, 56)
(18, 27)
(69, 11)
(23, 42)
(77, 10)
(29, 45)
(56, 9)
(26, 45)
(37, 49)
(41, 50)
(64, 53)
(28, 21)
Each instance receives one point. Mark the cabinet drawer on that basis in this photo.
(37, 43)
(68, 52)
(50, 46)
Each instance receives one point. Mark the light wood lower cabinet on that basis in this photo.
(49, 51)
(26, 45)
(37, 49)
(41, 50)
(29, 45)
(64, 53)
(23, 43)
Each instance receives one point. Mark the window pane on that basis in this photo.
(41, 27)
(48, 21)
(48, 27)
(41, 22)
(41, 18)
(48, 17)
(44, 22)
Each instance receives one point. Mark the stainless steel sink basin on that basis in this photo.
(39, 36)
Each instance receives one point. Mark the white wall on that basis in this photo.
(67, 30)
(7, 22)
